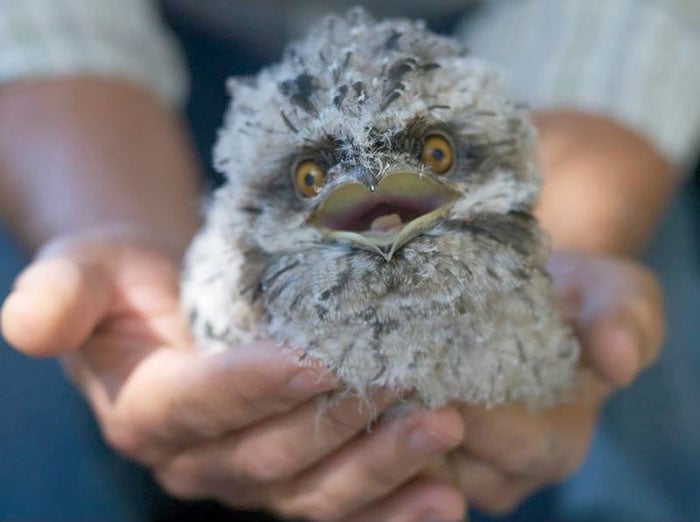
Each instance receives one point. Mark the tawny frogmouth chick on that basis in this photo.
(378, 216)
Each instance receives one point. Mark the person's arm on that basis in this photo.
(85, 153)
(605, 186)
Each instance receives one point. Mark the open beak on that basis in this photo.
(403, 204)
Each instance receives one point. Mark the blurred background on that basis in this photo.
(645, 460)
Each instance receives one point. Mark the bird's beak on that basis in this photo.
(402, 205)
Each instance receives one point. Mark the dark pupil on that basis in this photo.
(310, 179)
(438, 154)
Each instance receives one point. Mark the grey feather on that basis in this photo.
(464, 310)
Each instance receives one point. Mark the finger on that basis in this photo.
(618, 309)
(508, 439)
(124, 297)
(643, 312)
(486, 488)
(370, 467)
(77, 282)
(538, 446)
(612, 348)
(55, 305)
(421, 500)
(276, 449)
(174, 399)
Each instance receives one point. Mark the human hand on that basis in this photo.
(604, 187)
(241, 426)
(615, 306)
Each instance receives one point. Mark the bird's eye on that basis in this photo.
(309, 178)
(437, 153)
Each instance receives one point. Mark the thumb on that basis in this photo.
(57, 302)
(618, 313)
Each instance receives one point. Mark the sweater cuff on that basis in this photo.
(125, 39)
(635, 61)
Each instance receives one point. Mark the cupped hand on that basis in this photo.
(615, 307)
(240, 426)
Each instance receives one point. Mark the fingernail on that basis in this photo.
(306, 380)
(423, 441)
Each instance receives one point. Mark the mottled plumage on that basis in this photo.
(453, 303)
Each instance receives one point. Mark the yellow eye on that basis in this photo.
(437, 153)
(309, 178)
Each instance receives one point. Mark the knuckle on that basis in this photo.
(647, 280)
(124, 437)
(439, 435)
(380, 478)
(339, 422)
(267, 465)
(523, 459)
(317, 506)
(257, 407)
(188, 421)
(650, 287)
(650, 309)
(134, 438)
(501, 504)
(570, 462)
(187, 415)
(177, 484)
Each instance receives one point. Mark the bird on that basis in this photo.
(377, 219)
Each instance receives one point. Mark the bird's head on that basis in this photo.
(370, 134)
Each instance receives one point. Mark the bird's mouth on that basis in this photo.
(402, 205)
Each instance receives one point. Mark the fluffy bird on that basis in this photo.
(377, 215)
